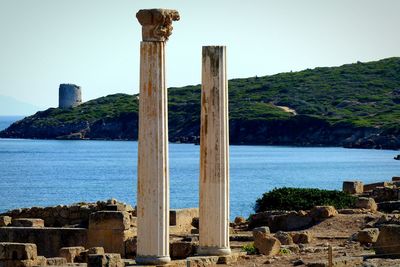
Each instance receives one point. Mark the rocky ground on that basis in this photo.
(103, 234)
(336, 232)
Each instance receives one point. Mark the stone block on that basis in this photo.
(41, 261)
(202, 261)
(262, 229)
(181, 249)
(302, 237)
(367, 235)
(27, 222)
(231, 259)
(57, 261)
(353, 187)
(370, 187)
(388, 243)
(319, 213)
(133, 221)
(113, 241)
(48, 240)
(281, 220)
(389, 206)
(5, 221)
(70, 253)
(239, 220)
(17, 251)
(109, 220)
(366, 203)
(105, 260)
(181, 220)
(266, 244)
(110, 230)
(131, 247)
(22, 263)
(284, 238)
(96, 250)
(115, 207)
(382, 194)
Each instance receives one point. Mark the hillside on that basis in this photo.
(354, 105)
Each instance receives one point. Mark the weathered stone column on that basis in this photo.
(153, 173)
(214, 154)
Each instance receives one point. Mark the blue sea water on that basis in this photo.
(50, 172)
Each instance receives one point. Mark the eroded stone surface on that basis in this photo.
(182, 250)
(105, 260)
(319, 213)
(366, 203)
(353, 187)
(57, 261)
(157, 23)
(367, 235)
(48, 240)
(27, 222)
(5, 221)
(388, 241)
(17, 251)
(70, 253)
(202, 261)
(302, 237)
(284, 238)
(214, 154)
(266, 244)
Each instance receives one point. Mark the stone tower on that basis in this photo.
(69, 95)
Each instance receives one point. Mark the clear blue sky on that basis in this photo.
(95, 43)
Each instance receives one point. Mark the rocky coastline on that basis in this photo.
(297, 131)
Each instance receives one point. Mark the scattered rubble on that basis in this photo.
(104, 234)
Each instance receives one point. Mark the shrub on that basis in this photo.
(250, 249)
(302, 199)
(285, 251)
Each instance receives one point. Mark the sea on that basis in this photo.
(53, 172)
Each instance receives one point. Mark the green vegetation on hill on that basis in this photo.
(352, 96)
(361, 94)
(302, 199)
(103, 107)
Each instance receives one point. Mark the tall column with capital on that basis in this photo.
(214, 154)
(153, 173)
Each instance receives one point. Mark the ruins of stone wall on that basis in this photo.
(48, 240)
(180, 220)
(76, 215)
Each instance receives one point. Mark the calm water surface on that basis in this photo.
(48, 172)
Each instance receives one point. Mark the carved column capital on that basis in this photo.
(156, 23)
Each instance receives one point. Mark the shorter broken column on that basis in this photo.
(110, 230)
(214, 154)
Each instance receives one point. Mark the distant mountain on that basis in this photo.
(354, 105)
(10, 106)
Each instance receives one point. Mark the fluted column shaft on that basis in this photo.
(153, 170)
(214, 154)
